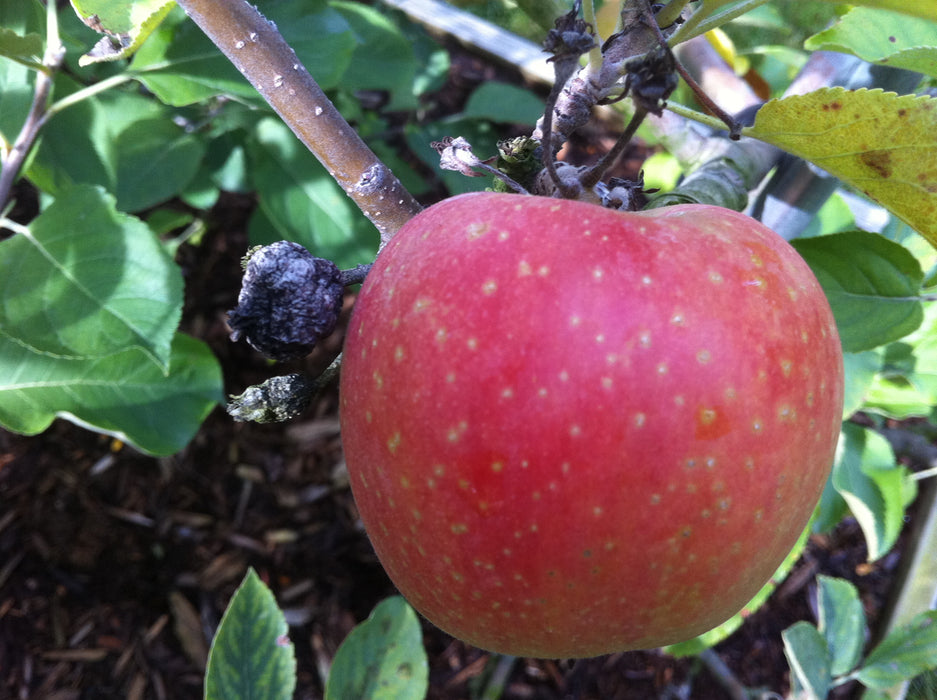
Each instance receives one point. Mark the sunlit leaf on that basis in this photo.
(919, 8)
(884, 37)
(86, 280)
(861, 369)
(125, 23)
(877, 490)
(299, 201)
(907, 384)
(879, 142)
(125, 394)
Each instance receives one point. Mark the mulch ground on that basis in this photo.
(115, 567)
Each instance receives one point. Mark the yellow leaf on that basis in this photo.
(881, 143)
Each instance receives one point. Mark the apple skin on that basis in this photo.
(572, 431)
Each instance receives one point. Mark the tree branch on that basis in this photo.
(11, 162)
(260, 53)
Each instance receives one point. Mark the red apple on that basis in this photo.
(573, 431)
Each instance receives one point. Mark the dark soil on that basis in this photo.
(116, 567)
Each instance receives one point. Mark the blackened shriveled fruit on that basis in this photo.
(289, 300)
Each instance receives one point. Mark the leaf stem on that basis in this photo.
(259, 52)
(671, 12)
(699, 117)
(698, 23)
(925, 474)
(85, 93)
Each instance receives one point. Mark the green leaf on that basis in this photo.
(903, 654)
(834, 216)
(251, 656)
(809, 658)
(155, 161)
(383, 657)
(841, 622)
(86, 281)
(866, 475)
(502, 102)
(871, 694)
(883, 37)
(26, 49)
(383, 58)
(907, 384)
(127, 24)
(830, 510)
(873, 286)
(299, 201)
(919, 8)
(861, 370)
(124, 394)
(75, 146)
(182, 66)
(79, 144)
(879, 142)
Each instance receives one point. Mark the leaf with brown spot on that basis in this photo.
(884, 37)
(882, 143)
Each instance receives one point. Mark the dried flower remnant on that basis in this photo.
(276, 400)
